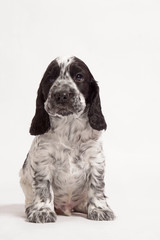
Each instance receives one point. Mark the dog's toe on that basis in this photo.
(99, 214)
(42, 215)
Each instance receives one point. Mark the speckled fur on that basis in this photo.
(64, 169)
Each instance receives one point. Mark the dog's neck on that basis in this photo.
(73, 129)
(59, 121)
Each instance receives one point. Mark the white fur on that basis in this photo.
(64, 146)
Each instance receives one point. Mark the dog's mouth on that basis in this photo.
(64, 112)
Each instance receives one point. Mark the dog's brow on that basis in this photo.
(64, 63)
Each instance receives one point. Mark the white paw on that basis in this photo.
(42, 215)
(99, 214)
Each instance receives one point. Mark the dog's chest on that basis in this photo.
(70, 182)
(71, 162)
(71, 146)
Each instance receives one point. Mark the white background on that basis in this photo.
(120, 42)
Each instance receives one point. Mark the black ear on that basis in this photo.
(40, 123)
(96, 118)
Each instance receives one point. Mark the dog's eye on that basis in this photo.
(79, 77)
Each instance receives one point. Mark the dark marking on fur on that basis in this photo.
(42, 189)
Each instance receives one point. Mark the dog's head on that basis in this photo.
(67, 87)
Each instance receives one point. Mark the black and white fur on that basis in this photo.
(64, 169)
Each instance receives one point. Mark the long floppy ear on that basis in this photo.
(40, 123)
(96, 118)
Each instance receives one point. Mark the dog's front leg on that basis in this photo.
(98, 208)
(42, 208)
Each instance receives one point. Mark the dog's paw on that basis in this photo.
(42, 215)
(99, 214)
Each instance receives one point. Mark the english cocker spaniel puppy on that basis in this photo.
(64, 169)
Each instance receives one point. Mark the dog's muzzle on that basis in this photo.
(64, 103)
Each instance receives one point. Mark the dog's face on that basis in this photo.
(70, 80)
(67, 87)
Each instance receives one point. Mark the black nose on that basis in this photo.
(63, 97)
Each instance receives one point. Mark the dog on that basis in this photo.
(64, 169)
